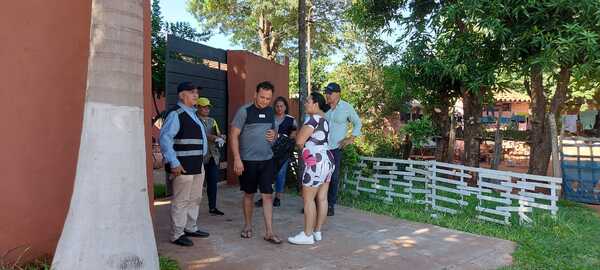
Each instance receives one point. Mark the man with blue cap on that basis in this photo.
(183, 143)
(339, 116)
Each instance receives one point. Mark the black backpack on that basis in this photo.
(282, 150)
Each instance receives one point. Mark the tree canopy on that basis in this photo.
(471, 48)
(271, 27)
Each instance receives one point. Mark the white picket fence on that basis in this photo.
(445, 187)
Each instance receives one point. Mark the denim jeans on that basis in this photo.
(281, 177)
(212, 177)
(335, 178)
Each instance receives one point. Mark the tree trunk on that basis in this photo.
(541, 142)
(558, 100)
(269, 41)
(562, 86)
(556, 172)
(497, 144)
(451, 138)
(442, 121)
(108, 225)
(472, 132)
(539, 134)
(406, 147)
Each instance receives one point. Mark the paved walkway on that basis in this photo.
(353, 239)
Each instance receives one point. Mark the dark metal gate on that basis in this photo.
(202, 65)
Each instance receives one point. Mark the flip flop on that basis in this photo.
(246, 234)
(273, 240)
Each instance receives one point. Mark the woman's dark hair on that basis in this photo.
(320, 99)
(282, 99)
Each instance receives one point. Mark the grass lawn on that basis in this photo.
(168, 263)
(571, 241)
(160, 191)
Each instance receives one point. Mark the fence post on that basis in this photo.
(554, 141)
(433, 184)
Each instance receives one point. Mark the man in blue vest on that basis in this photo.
(252, 134)
(183, 144)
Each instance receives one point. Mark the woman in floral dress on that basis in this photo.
(319, 166)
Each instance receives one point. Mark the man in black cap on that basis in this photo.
(183, 144)
(339, 115)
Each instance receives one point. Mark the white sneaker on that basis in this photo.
(302, 239)
(317, 236)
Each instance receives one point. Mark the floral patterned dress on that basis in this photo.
(318, 160)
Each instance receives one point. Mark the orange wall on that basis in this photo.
(520, 108)
(244, 71)
(44, 50)
(515, 108)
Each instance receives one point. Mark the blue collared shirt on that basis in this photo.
(170, 128)
(338, 119)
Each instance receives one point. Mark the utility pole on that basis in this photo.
(302, 59)
(308, 50)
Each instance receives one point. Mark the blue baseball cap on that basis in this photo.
(332, 87)
(185, 86)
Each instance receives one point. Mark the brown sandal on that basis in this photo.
(273, 239)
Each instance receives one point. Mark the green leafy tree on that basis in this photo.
(554, 44)
(319, 73)
(420, 131)
(446, 55)
(361, 76)
(158, 50)
(271, 27)
(421, 75)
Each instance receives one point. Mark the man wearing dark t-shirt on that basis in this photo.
(252, 134)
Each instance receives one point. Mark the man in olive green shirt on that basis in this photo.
(213, 156)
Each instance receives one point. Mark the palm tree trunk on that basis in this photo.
(108, 225)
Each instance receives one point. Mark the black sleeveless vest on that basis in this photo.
(188, 143)
(255, 115)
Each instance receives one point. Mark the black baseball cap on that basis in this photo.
(186, 86)
(332, 87)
